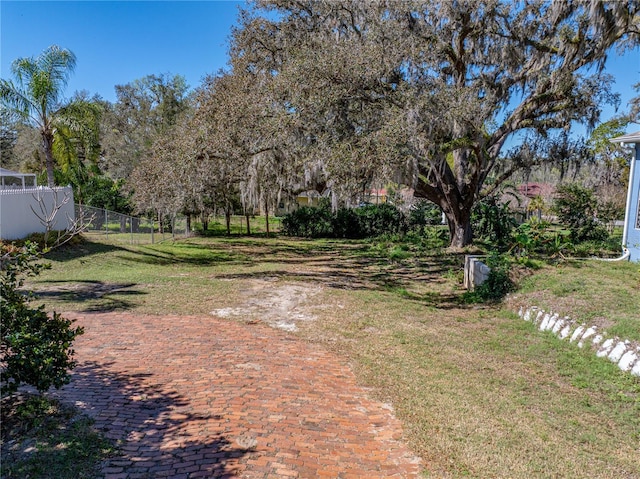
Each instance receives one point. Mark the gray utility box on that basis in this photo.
(475, 271)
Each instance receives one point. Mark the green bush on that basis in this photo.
(365, 222)
(576, 207)
(399, 252)
(424, 213)
(534, 236)
(35, 348)
(345, 223)
(493, 222)
(376, 220)
(308, 222)
(497, 285)
(600, 248)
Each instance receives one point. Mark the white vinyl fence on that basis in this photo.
(33, 210)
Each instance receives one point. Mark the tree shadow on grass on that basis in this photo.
(96, 296)
(83, 250)
(355, 266)
(198, 255)
(155, 430)
(336, 264)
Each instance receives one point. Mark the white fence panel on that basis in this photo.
(20, 211)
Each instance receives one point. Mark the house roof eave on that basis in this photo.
(627, 139)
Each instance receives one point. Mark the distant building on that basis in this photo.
(375, 196)
(533, 190)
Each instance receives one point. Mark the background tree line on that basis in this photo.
(335, 96)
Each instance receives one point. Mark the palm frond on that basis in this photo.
(64, 149)
(15, 101)
(44, 78)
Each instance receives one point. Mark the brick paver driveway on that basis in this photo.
(194, 397)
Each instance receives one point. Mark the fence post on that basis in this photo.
(131, 227)
(106, 222)
(152, 228)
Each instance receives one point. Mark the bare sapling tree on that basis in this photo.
(48, 215)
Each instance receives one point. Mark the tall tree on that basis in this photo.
(8, 139)
(36, 95)
(241, 142)
(145, 108)
(610, 167)
(436, 85)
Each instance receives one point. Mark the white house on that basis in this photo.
(631, 232)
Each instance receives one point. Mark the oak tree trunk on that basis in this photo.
(456, 209)
(460, 231)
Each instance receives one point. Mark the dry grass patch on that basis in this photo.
(483, 396)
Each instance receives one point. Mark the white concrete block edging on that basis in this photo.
(624, 353)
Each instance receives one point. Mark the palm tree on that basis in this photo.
(36, 96)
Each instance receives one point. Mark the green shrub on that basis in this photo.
(433, 237)
(398, 253)
(557, 245)
(497, 285)
(535, 236)
(601, 248)
(493, 222)
(365, 222)
(308, 222)
(423, 213)
(576, 207)
(345, 223)
(376, 220)
(36, 348)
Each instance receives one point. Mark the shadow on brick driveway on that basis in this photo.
(196, 396)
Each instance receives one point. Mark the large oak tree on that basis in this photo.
(432, 88)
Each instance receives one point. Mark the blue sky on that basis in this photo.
(117, 42)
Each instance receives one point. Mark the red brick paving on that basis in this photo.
(198, 397)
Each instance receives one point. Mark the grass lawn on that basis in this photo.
(481, 392)
(606, 294)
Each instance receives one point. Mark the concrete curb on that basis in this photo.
(624, 353)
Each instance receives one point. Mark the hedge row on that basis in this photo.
(355, 223)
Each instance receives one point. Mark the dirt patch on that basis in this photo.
(282, 306)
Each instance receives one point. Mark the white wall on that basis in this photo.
(17, 220)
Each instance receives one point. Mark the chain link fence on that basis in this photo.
(105, 225)
(119, 228)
